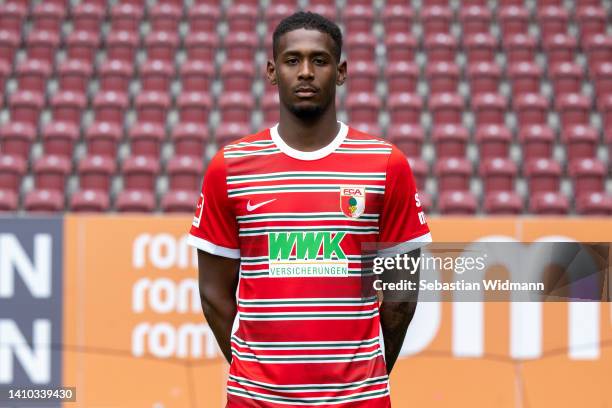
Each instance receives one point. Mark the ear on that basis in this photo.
(271, 72)
(342, 73)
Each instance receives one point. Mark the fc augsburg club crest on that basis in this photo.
(352, 200)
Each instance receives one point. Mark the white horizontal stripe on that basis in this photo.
(279, 343)
(315, 228)
(407, 246)
(288, 388)
(280, 300)
(260, 397)
(306, 358)
(211, 248)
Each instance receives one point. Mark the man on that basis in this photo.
(279, 228)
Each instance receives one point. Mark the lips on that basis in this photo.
(305, 91)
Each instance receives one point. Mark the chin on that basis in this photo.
(306, 110)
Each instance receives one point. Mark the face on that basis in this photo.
(306, 72)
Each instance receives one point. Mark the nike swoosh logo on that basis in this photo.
(256, 206)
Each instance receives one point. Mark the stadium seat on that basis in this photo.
(102, 138)
(598, 49)
(47, 16)
(361, 47)
(548, 203)
(8, 200)
(196, 76)
(573, 109)
(493, 141)
(110, 107)
(236, 107)
(588, 175)
(358, 18)
(591, 21)
(580, 141)
(408, 138)
(560, 48)
(156, 76)
(115, 76)
(503, 203)
(363, 78)
(371, 128)
(74, 75)
(240, 46)
(436, 19)
(400, 47)
(363, 107)
(405, 108)
(440, 47)
(402, 77)
(122, 46)
(275, 13)
(59, 138)
(203, 18)
(602, 76)
(542, 175)
(498, 174)
(146, 139)
(484, 77)
(137, 201)
(44, 201)
(185, 173)
(16, 139)
(552, 20)
(419, 171)
(608, 139)
(179, 201)
(453, 174)
(442, 77)
(5, 72)
(449, 141)
(32, 75)
(446, 108)
(152, 107)
(67, 106)
(397, 18)
(87, 17)
(190, 139)
(605, 108)
(229, 132)
(12, 170)
(41, 45)
(165, 17)
(95, 172)
(25, 106)
(525, 78)
(480, 47)
(489, 109)
(194, 107)
(519, 48)
(201, 46)
(140, 173)
(323, 8)
(82, 45)
(9, 42)
(237, 76)
(594, 204)
(270, 104)
(51, 171)
(12, 16)
(161, 45)
(241, 17)
(475, 19)
(459, 202)
(89, 201)
(531, 109)
(567, 78)
(125, 17)
(513, 20)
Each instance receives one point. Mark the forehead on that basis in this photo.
(305, 42)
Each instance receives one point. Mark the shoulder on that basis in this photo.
(252, 140)
(359, 139)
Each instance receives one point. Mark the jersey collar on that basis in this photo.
(314, 155)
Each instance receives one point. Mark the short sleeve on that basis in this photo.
(402, 226)
(214, 228)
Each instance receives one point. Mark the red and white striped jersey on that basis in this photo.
(304, 334)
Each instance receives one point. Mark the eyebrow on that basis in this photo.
(312, 53)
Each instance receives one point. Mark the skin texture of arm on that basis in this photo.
(218, 279)
(396, 314)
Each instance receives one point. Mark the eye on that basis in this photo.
(320, 61)
(292, 61)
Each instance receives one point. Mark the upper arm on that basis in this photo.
(217, 275)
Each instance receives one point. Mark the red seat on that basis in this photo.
(67, 106)
(194, 107)
(229, 132)
(26, 106)
(370, 128)
(137, 201)
(165, 17)
(453, 174)
(110, 107)
(32, 75)
(553, 20)
(408, 138)
(475, 19)
(560, 48)
(102, 138)
(42, 200)
(5, 72)
(397, 18)
(459, 202)
(450, 140)
(513, 19)
(581, 142)
(201, 46)
(126, 17)
(484, 77)
(588, 175)
(95, 172)
(48, 16)
(525, 77)
(402, 77)
(405, 108)
(602, 74)
(185, 173)
(419, 171)
(89, 201)
(190, 139)
(574, 109)
(12, 16)
(498, 174)
(236, 107)
(537, 142)
(161, 45)
(519, 48)
(598, 49)
(275, 13)
(493, 141)
(152, 107)
(567, 78)
(59, 139)
(17, 139)
(440, 47)
(594, 203)
(531, 109)
(41, 45)
(361, 47)
(401, 48)
(363, 78)
(179, 201)
(548, 203)
(542, 175)
(238, 76)
(8, 201)
(591, 20)
(196, 76)
(270, 106)
(503, 203)
(203, 18)
(446, 108)
(358, 18)
(363, 107)
(9, 42)
(480, 47)
(240, 46)
(242, 17)
(12, 170)
(122, 46)
(443, 77)
(115, 76)
(74, 76)
(87, 17)
(51, 171)
(323, 8)
(140, 173)
(156, 75)
(605, 108)
(145, 139)
(608, 139)
(489, 109)
(436, 19)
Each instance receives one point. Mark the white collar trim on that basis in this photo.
(314, 155)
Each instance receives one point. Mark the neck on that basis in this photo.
(308, 134)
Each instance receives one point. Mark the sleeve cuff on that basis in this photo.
(213, 249)
(407, 246)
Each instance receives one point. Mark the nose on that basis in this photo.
(306, 71)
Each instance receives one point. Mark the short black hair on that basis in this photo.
(308, 21)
